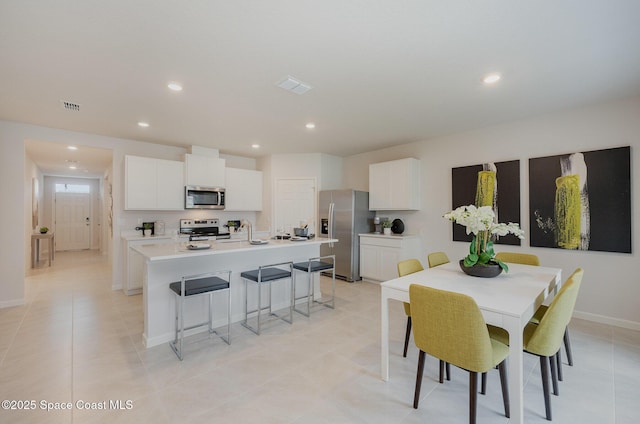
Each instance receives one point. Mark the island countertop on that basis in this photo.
(177, 250)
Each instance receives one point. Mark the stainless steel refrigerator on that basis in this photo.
(344, 214)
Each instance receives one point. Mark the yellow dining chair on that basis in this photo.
(518, 258)
(407, 267)
(437, 258)
(545, 338)
(410, 266)
(450, 327)
(529, 259)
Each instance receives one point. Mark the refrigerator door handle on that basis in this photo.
(331, 222)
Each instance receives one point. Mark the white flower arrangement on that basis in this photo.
(480, 221)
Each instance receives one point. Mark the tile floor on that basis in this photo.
(77, 341)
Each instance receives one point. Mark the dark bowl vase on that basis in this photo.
(485, 271)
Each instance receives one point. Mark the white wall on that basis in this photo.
(611, 290)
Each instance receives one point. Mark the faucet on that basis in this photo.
(246, 224)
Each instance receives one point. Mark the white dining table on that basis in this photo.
(508, 301)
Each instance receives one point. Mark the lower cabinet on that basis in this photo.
(133, 262)
(379, 255)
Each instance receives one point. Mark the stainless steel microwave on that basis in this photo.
(203, 197)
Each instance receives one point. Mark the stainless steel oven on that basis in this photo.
(196, 197)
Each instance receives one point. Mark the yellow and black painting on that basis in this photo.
(495, 184)
(581, 200)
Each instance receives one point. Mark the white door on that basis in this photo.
(73, 221)
(295, 203)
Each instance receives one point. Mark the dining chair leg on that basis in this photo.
(448, 370)
(473, 396)
(544, 372)
(406, 337)
(483, 384)
(558, 358)
(441, 371)
(567, 347)
(416, 395)
(502, 368)
(554, 374)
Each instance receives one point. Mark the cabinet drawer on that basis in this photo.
(381, 241)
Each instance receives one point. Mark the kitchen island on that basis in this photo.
(168, 262)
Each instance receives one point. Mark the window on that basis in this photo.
(73, 188)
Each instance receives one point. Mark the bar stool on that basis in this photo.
(266, 274)
(196, 285)
(312, 267)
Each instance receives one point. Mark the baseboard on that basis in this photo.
(11, 303)
(616, 322)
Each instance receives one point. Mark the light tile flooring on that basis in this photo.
(77, 341)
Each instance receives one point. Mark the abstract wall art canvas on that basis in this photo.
(581, 200)
(495, 184)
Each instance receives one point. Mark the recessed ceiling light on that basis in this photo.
(310, 126)
(174, 86)
(72, 148)
(143, 124)
(73, 167)
(491, 78)
(255, 146)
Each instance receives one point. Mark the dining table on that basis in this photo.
(507, 301)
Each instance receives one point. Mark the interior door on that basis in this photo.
(73, 221)
(295, 203)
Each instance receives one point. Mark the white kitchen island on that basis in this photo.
(168, 262)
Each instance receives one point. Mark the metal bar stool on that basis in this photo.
(266, 274)
(196, 285)
(312, 267)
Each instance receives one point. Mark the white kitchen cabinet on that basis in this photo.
(153, 184)
(380, 254)
(394, 185)
(204, 171)
(243, 191)
(133, 266)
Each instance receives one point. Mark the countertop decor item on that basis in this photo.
(397, 226)
(486, 271)
(44, 230)
(480, 221)
(386, 227)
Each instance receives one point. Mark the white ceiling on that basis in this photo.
(383, 72)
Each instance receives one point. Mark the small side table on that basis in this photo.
(35, 247)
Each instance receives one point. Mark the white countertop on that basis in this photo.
(138, 236)
(165, 251)
(380, 235)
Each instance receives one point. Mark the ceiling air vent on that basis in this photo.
(75, 107)
(293, 85)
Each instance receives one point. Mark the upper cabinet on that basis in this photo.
(394, 185)
(204, 171)
(153, 184)
(243, 191)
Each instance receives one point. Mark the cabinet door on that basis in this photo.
(369, 264)
(140, 183)
(170, 185)
(204, 171)
(243, 190)
(136, 273)
(379, 186)
(388, 259)
(395, 185)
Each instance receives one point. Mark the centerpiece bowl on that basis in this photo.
(488, 270)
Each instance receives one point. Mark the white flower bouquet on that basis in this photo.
(480, 221)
